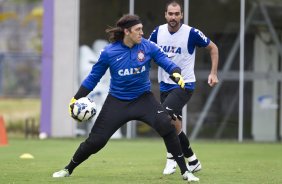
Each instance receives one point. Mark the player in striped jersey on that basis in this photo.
(179, 42)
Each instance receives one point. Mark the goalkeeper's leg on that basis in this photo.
(91, 145)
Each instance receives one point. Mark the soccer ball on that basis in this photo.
(84, 109)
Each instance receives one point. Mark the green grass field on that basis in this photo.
(18, 109)
(139, 161)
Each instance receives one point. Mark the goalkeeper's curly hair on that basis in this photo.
(117, 33)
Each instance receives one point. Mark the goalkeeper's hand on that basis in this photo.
(177, 78)
(71, 105)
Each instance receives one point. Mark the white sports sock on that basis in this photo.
(169, 156)
(192, 158)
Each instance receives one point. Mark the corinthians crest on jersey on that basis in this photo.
(140, 55)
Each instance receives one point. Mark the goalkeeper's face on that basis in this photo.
(134, 34)
(173, 16)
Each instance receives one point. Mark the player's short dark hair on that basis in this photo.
(174, 3)
(125, 22)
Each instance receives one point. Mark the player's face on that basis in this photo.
(134, 35)
(173, 16)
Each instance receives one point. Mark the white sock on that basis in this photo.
(169, 156)
(192, 158)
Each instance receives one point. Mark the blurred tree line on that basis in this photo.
(20, 47)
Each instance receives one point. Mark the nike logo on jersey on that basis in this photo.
(119, 58)
(171, 55)
(160, 112)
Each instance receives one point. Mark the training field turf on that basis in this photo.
(139, 161)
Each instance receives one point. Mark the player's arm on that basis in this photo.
(213, 50)
(97, 71)
(90, 82)
(199, 39)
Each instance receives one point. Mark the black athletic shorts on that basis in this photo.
(146, 108)
(174, 100)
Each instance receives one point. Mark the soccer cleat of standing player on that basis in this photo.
(194, 168)
(193, 165)
(170, 167)
(190, 177)
(61, 174)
